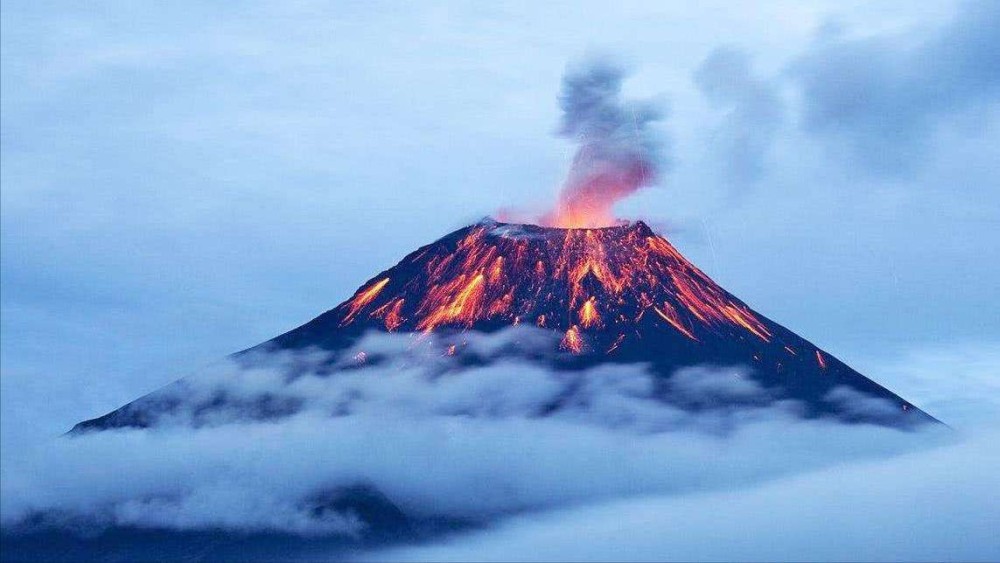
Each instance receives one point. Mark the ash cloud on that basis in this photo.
(754, 112)
(617, 151)
(877, 102)
(880, 99)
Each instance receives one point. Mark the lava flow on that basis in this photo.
(571, 280)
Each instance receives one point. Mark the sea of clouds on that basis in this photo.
(532, 454)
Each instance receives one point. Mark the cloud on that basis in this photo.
(754, 112)
(856, 404)
(196, 219)
(939, 505)
(617, 152)
(700, 385)
(883, 97)
(438, 438)
(956, 382)
(936, 504)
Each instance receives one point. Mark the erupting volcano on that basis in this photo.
(619, 294)
(591, 284)
(613, 292)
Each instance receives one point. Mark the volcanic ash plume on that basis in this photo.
(617, 154)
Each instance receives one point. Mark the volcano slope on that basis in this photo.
(614, 295)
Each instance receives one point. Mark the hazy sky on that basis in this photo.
(181, 181)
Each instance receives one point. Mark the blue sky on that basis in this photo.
(180, 181)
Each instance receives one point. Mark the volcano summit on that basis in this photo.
(619, 295)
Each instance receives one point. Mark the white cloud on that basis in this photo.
(938, 505)
(438, 440)
(958, 383)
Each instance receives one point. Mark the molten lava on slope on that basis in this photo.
(605, 279)
(618, 294)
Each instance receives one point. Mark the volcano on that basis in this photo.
(619, 294)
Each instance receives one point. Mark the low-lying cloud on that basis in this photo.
(936, 505)
(438, 438)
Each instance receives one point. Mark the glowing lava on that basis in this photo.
(588, 314)
(820, 359)
(572, 340)
(363, 297)
(569, 280)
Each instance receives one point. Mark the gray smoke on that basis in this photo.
(617, 152)
(754, 112)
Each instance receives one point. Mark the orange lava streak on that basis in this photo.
(501, 305)
(572, 340)
(674, 322)
(820, 359)
(497, 270)
(393, 317)
(556, 278)
(662, 247)
(463, 307)
(747, 321)
(711, 307)
(614, 346)
(588, 314)
(363, 298)
(594, 262)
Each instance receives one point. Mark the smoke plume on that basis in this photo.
(617, 154)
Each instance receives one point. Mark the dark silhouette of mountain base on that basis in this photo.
(386, 524)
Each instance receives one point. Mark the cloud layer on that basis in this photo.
(439, 440)
(939, 505)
